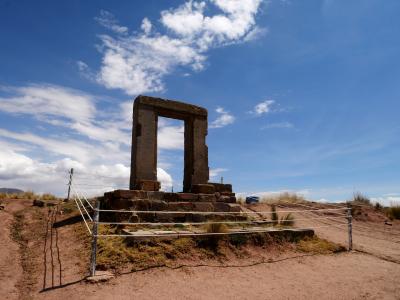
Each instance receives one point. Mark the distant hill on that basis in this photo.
(10, 191)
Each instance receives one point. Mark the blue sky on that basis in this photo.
(302, 95)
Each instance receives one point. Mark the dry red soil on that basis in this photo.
(57, 265)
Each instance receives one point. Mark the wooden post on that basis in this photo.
(94, 239)
(71, 173)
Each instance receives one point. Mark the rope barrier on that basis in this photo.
(84, 197)
(76, 194)
(83, 217)
(211, 212)
(177, 234)
(205, 223)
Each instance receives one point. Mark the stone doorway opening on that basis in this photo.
(170, 154)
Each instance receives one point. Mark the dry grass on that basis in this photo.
(393, 212)
(285, 197)
(318, 246)
(359, 198)
(29, 195)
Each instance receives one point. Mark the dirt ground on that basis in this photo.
(60, 266)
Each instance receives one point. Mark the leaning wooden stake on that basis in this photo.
(94, 239)
(350, 228)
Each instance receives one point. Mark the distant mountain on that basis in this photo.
(10, 191)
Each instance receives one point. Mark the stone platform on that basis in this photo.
(210, 198)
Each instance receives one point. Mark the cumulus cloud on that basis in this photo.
(263, 107)
(46, 101)
(170, 137)
(224, 118)
(137, 63)
(95, 144)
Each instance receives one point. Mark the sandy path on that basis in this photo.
(10, 267)
(342, 276)
(374, 238)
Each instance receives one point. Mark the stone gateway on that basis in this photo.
(144, 189)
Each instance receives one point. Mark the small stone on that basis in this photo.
(100, 276)
(38, 203)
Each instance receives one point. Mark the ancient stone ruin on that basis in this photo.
(144, 193)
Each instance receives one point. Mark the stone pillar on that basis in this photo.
(200, 151)
(188, 158)
(144, 145)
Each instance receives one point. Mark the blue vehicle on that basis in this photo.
(252, 199)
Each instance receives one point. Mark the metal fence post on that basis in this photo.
(94, 239)
(71, 173)
(350, 228)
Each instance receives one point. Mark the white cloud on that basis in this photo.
(255, 34)
(214, 173)
(387, 200)
(146, 26)
(101, 153)
(170, 137)
(165, 179)
(108, 20)
(278, 125)
(138, 63)
(47, 101)
(263, 107)
(224, 118)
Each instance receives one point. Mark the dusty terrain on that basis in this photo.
(53, 265)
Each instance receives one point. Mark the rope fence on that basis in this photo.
(90, 213)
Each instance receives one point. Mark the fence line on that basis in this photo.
(211, 212)
(83, 205)
(205, 223)
(83, 217)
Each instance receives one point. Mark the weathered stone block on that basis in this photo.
(234, 207)
(207, 198)
(227, 199)
(128, 194)
(203, 189)
(155, 195)
(148, 185)
(221, 206)
(180, 206)
(171, 197)
(203, 206)
(222, 187)
(229, 194)
(187, 197)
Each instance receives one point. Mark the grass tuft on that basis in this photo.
(360, 198)
(317, 245)
(285, 197)
(393, 212)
